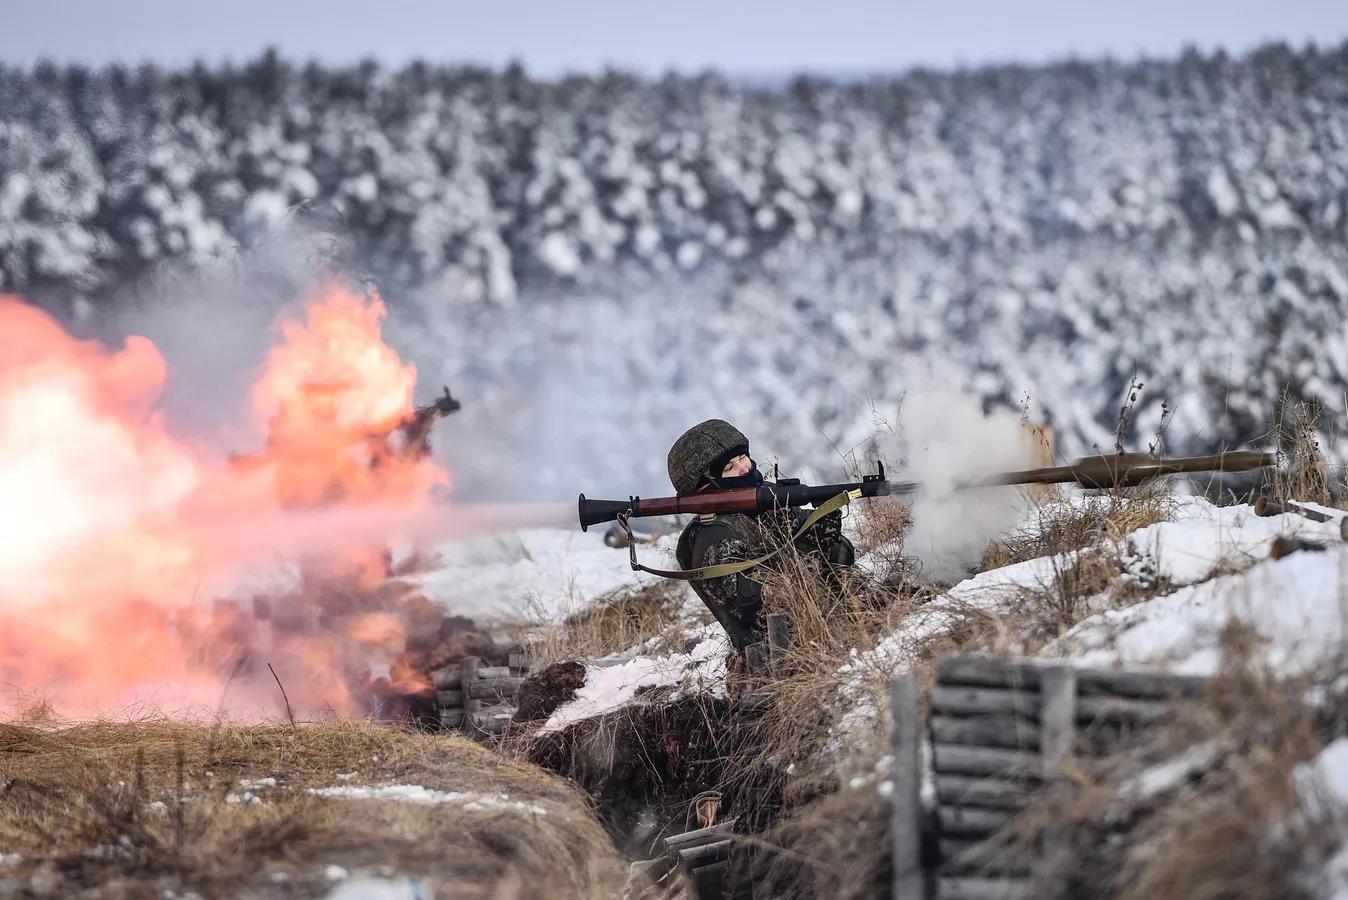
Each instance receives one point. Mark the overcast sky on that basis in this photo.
(740, 36)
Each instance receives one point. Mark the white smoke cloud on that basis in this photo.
(944, 439)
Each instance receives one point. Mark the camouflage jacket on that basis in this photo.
(737, 600)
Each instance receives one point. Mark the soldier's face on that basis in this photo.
(740, 465)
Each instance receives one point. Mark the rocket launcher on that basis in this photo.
(1105, 472)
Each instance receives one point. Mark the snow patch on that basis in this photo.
(469, 801)
(611, 687)
(1296, 604)
(543, 571)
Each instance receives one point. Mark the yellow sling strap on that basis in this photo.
(724, 569)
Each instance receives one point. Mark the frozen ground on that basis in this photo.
(1206, 567)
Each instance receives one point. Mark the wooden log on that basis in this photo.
(993, 793)
(779, 638)
(1140, 685)
(451, 718)
(1057, 720)
(704, 854)
(969, 821)
(956, 759)
(970, 701)
(1057, 717)
(986, 731)
(983, 671)
(448, 677)
(494, 688)
(1121, 709)
(707, 835)
(467, 677)
(517, 663)
(646, 873)
(968, 857)
(490, 723)
(494, 672)
(987, 671)
(710, 880)
(905, 813)
(450, 699)
(983, 889)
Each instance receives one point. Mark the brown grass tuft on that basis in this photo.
(1305, 474)
(1061, 527)
(623, 619)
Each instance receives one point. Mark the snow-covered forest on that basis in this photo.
(643, 251)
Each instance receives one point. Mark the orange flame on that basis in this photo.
(101, 548)
(332, 397)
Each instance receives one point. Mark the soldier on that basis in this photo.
(714, 455)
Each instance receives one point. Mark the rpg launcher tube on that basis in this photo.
(736, 500)
(1131, 469)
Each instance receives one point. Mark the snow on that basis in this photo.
(1323, 786)
(611, 687)
(988, 592)
(247, 798)
(365, 887)
(545, 572)
(1202, 537)
(1297, 605)
(1323, 782)
(469, 801)
(1166, 776)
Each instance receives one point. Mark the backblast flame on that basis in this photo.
(104, 548)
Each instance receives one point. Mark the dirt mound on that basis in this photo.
(167, 808)
(548, 689)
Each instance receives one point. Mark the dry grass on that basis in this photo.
(1061, 527)
(1305, 474)
(130, 810)
(618, 621)
(881, 525)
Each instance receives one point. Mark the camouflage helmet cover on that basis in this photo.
(692, 455)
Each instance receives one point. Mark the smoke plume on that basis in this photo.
(945, 440)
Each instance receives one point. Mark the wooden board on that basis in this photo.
(982, 671)
(969, 821)
(990, 857)
(494, 688)
(692, 857)
(972, 701)
(906, 816)
(950, 888)
(986, 731)
(716, 832)
(956, 759)
(994, 793)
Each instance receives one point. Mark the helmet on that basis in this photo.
(706, 446)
